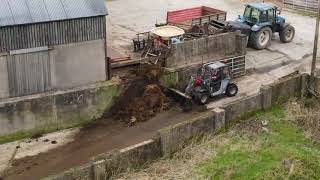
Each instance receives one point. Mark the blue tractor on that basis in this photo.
(259, 22)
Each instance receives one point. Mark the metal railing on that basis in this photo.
(237, 64)
(302, 5)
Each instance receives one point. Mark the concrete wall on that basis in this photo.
(104, 166)
(56, 110)
(77, 64)
(214, 47)
(249, 104)
(4, 84)
(178, 78)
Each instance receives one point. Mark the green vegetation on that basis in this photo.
(280, 151)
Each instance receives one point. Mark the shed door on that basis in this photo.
(29, 73)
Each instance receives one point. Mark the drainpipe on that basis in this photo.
(107, 59)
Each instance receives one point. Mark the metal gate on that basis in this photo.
(29, 73)
(237, 64)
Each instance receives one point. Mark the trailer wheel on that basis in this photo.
(287, 34)
(232, 90)
(261, 39)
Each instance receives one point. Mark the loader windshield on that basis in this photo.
(251, 15)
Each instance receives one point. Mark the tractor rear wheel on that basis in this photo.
(261, 39)
(232, 90)
(287, 34)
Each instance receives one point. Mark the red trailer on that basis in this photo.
(195, 16)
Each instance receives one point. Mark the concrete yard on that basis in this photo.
(125, 19)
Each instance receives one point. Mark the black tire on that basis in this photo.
(187, 105)
(287, 34)
(203, 99)
(232, 90)
(261, 39)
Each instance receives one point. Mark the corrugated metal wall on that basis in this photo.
(29, 73)
(304, 5)
(52, 33)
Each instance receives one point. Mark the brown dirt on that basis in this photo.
(146, 105)
(143, 99)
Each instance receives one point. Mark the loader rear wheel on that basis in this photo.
(232, 90)
(261, 39)
(287, 34)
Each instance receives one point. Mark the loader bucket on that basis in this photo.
(183, 99)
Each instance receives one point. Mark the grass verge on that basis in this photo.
(281, 151)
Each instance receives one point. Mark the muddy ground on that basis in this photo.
(101, 137)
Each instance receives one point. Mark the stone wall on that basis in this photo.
(56, 110)
(207, 49)
(171, 139)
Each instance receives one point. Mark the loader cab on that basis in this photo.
(214, 80)
(258, 13)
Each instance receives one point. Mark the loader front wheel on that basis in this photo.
(187, 105)
(261, 39)
(204, 99)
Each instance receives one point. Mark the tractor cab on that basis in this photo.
(259, 21)
(261, 14)
(256, 13)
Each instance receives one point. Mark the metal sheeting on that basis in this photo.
(52, 33)
(15, 12)
(29, 73)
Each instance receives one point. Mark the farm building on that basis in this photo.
(51, 45)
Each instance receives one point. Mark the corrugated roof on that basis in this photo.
(14, 12)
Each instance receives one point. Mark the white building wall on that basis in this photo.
(77, 64)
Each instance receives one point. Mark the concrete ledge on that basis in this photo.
(53, 111)
(173, 138)
(219, 119)
(129, 158)
(99, 170)
(246, 105)
(82, 172)
(286, 88)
